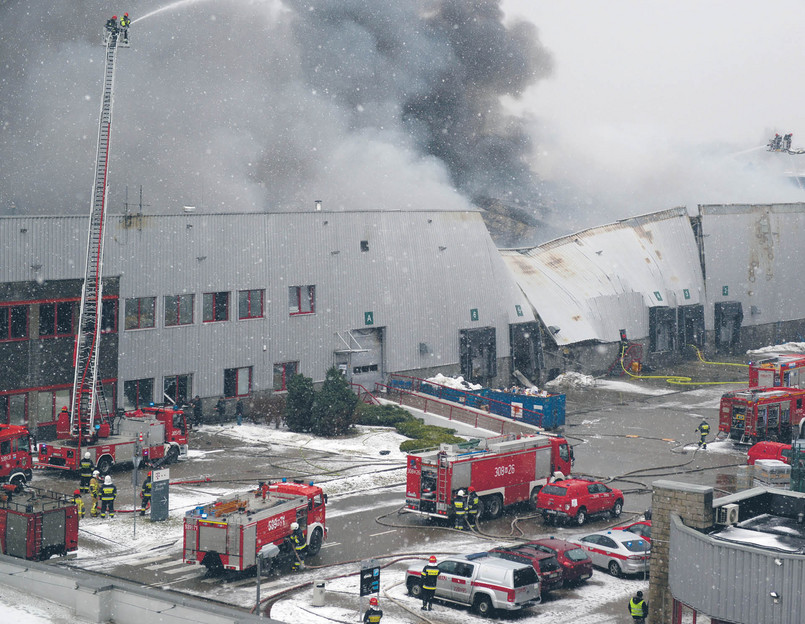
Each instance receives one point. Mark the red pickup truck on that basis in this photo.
(769, 450)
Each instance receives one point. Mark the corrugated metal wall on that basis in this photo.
(732, 582)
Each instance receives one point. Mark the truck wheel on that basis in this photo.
(414, 588)
(614, 569)
(617, 508)
(105, 464)
(581, 516)
(483, 606)
(18, 481)
(314, 546)
(493, 506)
(172, 455)
(533, 497)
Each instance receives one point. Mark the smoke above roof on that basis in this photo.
(268, 105)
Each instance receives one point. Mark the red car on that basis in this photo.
(545, 563)
(641, 528)
(576, 563)
(574, 500)
(769, 450)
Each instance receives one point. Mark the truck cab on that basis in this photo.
(15, 455)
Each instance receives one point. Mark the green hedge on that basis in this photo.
(422, 435)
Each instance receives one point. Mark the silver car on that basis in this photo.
(619, 552)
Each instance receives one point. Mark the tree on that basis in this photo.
(299, 404)
(334, 406)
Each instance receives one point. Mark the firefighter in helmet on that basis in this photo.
(703, 429)
(85, 469)
(373, 613)
(145, 494)
(473, 507)
(460, 511)
(108, 495)
(299, 544)
(111, 24)
(79, 503)
(95, 493)
(429, 575)
(125, 22)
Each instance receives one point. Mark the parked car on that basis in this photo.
(574, 500)
(641, 528)
(574, 560)
(545, 563)
(619, 552)
(481, 581)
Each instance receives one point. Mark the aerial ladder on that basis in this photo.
(87, 397)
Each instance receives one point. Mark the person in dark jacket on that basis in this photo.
(373, 613)
(473, 507)
(703, 429)
(239, 411)
(111, 24)
(145, 495)
(638, 608)
(85, 469)
(429, 575)
(198, 414)
(220, 407)
(299, 545)
(108, 496)
(460, 511)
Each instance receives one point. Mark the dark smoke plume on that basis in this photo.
(268, 105)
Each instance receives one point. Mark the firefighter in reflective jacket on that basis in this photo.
(79, 503)
(429, 575)
(460, 511)
(85, 469)
(108, 495)
(473, 507)
(373, 613)
(145, 495)
(299, 546)
(703, 429)
(95, 493)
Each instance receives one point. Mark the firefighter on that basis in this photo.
(111, 24)
(299, 546)
(145, 494)
(85, 469)
(429, 575)
(638, 608)
(108, 495)
(703, 429)
(95, 493)
(373, 613)
(125, 22)
(473, 507)
(79, 503)
(460, 511)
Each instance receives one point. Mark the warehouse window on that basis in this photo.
(56, 319)
(250, 304)
(283, 373)
(14, 409)
(237, 381)
(138, 393)
(109, 316)
(13, 322)
(140, 312)
(302, 299)
(216, 307)
(176, 388)
(49, 403)
(179, 310)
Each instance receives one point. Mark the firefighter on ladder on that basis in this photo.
(125, 22)
(79, 503)
(473, 507)
(374, 613)
(85, 469)
(460, 511)
(299, 547)
(703, 429)
(108, 495)
(95, 493)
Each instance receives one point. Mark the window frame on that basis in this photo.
(8, 310)
(176, 300)
(286, 375)
(110, 304)
(138, 404)
(295, 294)
(237, 381)
(53, 330)
(139, 314)
(178, 380)
(249, 293)
(213, 306)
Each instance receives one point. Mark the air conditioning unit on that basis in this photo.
(727, 514)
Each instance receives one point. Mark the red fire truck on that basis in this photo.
(229, 533)
(36, 524)
(503, 470)
(786, 370)
(15, 455)
(756, 414)
(161, 433)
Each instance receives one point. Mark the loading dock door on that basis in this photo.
(526, 350)
(662, 329)
(728, 318)
(478, 354)
(363, 362)
(690, 323)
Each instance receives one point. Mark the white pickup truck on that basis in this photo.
(483, 582)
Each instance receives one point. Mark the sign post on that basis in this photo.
(135, 479)
(159, 494)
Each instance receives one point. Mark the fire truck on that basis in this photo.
(503, 470)
(36, 524)
(15, 455)
(786, 370)
(230, 533)
(159, 432)
(756, 414)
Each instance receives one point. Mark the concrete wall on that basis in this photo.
(96, 598)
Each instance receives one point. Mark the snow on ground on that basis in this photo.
(572, 379)
(575, 380)
(16, 607)
(787, 347)
(457, 383)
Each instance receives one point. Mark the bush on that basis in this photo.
(381, 415)
(299, 404)
(333, 412)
